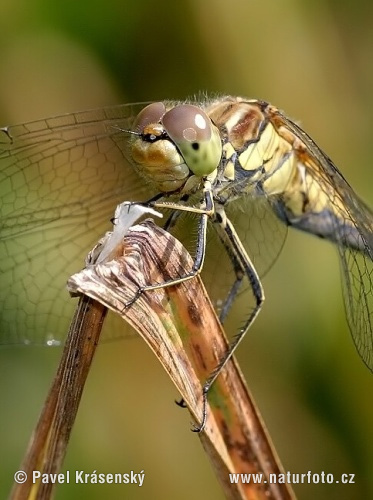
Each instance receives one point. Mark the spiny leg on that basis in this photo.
(174, 217)
(239, 252)
(219, 224)
(205, 212)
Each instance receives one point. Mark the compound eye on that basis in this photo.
(187, 123)
(151, 114)
(196, 137)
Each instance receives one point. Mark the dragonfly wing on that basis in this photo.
(60, 181)
(357, 279)
(353, 234)
(261, 232)
(263, 236)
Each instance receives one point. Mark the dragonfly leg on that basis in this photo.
(241, 260)
(181, 403)
(173, 218)
(237, 268)
(205, 212)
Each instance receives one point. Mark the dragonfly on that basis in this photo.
(238, 166)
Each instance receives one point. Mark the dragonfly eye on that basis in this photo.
(151, 114)
(195, 136)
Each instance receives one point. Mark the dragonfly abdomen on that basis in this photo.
(327, 223)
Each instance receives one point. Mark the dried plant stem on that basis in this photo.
(48, 443)
(180, 326)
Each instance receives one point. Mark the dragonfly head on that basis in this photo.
(171, 145)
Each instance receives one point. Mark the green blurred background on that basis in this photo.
(314, 60)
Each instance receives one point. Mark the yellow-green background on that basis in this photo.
(314, 60)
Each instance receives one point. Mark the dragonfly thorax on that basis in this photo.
(256, 159)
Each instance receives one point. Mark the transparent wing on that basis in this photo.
(60, 181)
(263, 236)
(356, 263)
(357, 279)
(262, 233)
